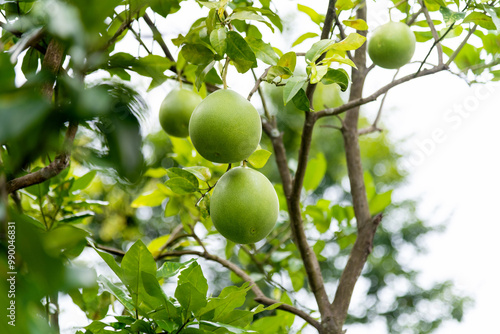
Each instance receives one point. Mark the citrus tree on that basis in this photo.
(78, 174)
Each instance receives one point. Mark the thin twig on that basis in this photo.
(460, 47)
(374, 126)
(259, 295)
(433, 31)
(157, 37)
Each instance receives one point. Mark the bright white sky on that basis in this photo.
(455, 175)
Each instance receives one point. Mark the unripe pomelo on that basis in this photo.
(244, 206)
(225, 127)
(176, 110)
(391, 45)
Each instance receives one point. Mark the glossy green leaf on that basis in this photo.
(30, 62)
(218, 40)
(180, 185)
(240, 52)
(197, 54)
(192, 289)
(230, 298)
(263, 51)
(318, 48)
(84, 181)
(340, 59)
(259, 158)
(120, 293)
(292, 87)
(317, 72)
(315, 171)
(156, 172)
(110, 261)
(136, 260)
(301, 101)
(170, 269)
(278, 71)
(249, 15)
(303, 37)
(336, 76)
(202, 173)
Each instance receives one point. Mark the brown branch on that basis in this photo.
(107, 249)
(366, 231)
(259, 295)
(257, 82)
(374, 127)
(433, 31)
(415, 16)
(363, 100)
(460, 47)
(60, 163)
(157, 37)
(52, 62)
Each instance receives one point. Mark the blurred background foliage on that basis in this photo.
(116, 188)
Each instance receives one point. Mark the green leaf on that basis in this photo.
(119, 292)
(230, 298)
(170, 269)
(303, 37)
(39, 190)
(7, 73)
(165, 7)
(218, 40)
(450, 16)
(345, 241)
(315, 17)
(301, 101)
(315, 171)
(340, 59)
(240, 52)
(358, 24)
(351, 42)
(136, 260)
(181, 186)
(318, 48)
(153, 288)
(197, 54)
(248, 15)
(110, 261)
(278, 71)
(202, 173)
(317, 72)
(84, 181)
(259, 158)
(292, 87)
(179, 172)
(263, 51)
(77, 217)
(192, 289)
(288, 60)
(218, 325)
(379, 202)
(344, 5)
(152, 198)
(481, 20)
(339, 77)
(369, 185)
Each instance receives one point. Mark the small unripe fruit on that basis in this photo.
(244, 206)
(391, 45)
(225, 127)
(176, 110)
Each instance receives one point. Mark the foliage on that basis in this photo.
(67, 67)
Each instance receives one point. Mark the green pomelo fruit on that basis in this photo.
(391, 45)
(244, 206)
(176, 110)
(225, 127)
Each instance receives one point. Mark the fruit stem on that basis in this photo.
(224, 73)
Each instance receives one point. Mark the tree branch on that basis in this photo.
(157, 37)
(52, 62)
(366, 231)
(460, 47)
(437, 40)
(259, 295)
(363, 100)
(60, 163)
